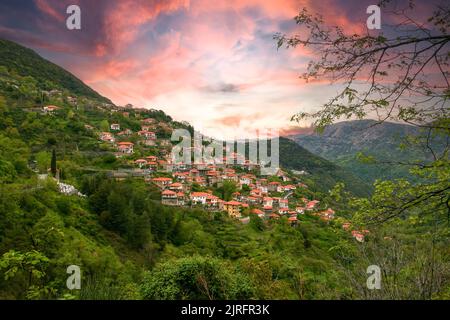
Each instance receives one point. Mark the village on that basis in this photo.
(192, 185)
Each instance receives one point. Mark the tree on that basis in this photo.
(226, 190)
(104, 125)
(31, 266)
(401, 76)
(53, 163)
(196, 278)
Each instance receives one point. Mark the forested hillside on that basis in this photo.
(70, 196)
(48, 76)
(321, 173)
(391, 143)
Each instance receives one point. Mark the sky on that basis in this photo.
(213, 63)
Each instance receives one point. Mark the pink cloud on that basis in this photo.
(192, 55)
(50, 9)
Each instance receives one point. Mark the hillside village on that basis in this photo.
(86, 182)
(145, 153)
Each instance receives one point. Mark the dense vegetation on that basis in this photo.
(49, 76)
(321, 174)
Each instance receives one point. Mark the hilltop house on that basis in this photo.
(147, 135)
(233, 208)
(50, 109)
(311, 205)
(115, 126)
(267, 202)
(172, 198)
(107, 136)
(125, 132)
(359, 236)
(126, 147)
(176, 186)
(199, 197)
(293, 221)
(327, 214)
(283, 203)
(162, 182)
(258, 212)
(149, 121)
(273, 186)
(300, 210)
(140, 163)
(245, 180)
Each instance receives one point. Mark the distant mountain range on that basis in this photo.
(323, 174)
(341, 142)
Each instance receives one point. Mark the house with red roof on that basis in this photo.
(172, 198)
(149, 121)
(147, 135)
(233, 208)
(125, 147)
(311, 205)
(258, 212)
(274, 216)
(359, 236)
(346, 225)
(293, 221)
(126, 132)
(245, 179)
(140, 163)
(283, 203)
(176, 186)
(267, 202)
(199, 197)
(107, 136)
(273, 186)
(50, 109)
(162, 182)
(152, 158)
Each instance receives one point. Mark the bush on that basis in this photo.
(198, 278)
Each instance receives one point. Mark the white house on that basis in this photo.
(115, 126)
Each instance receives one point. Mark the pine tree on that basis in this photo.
(53, 163)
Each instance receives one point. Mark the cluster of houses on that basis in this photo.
(259, 196)
(359, 235)
(148, 137)
(266, 199)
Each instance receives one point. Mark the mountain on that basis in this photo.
(323, 173)
(341, 142)
(26, 62)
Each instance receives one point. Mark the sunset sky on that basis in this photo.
(213, 63)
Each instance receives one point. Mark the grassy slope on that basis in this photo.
(26, 62)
